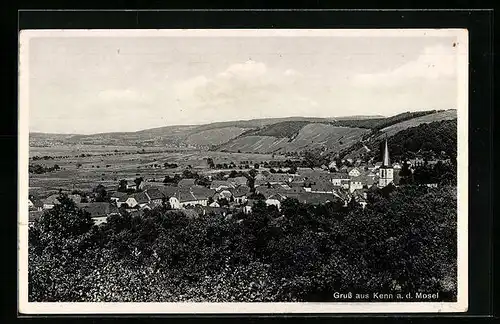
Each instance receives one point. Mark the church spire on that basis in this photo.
(386, 162)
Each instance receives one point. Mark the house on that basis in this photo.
(179, 198)
(185, 183)
(377, 165)
(275, 200)
(322, 187)
(279, 178)
(215, 211)
(132, 201)
(192, 198)
(312, 198)
(116, 196)
(396, 166)
(338, 178)
(314, 175)
(240, 195)
(332, 165)
(50, 201)
(417, 162)
(354, 172)
(214, 204)
(237, 181)
(218, 185)
(223, 194)
(99, 211)
(155, 196)
(266, 192)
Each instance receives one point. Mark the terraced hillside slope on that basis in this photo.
(295, 137)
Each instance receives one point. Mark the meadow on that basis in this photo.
(83, 167)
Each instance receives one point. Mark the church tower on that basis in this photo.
(386, 170)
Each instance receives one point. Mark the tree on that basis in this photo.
(252, 173)
(406, 176)
(256, 166)
(101, 194)
(122, 185)
(66, 219)
(138, 182)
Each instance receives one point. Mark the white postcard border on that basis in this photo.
(26, 307)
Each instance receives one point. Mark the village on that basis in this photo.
(230, 195)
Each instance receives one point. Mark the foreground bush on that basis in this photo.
(404, 241)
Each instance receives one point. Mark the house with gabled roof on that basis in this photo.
(354, 172)
(182, 197)
(279, 178)
(99, 211)
(322, 187)
(132, 201)
(50, 201)
(115, 196)
(223, 194)
(186, 183)
(240, 195)
(339, 178)
(275, 200)
(218, 185)
(312, 198)
(238, 181)
(155, 196)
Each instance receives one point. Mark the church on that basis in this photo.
(386, 171)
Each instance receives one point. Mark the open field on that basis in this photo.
(105, 166)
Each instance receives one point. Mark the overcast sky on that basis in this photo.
(102, 84)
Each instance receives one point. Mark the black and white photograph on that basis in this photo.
(253, 171)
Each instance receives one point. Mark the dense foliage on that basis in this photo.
(404, 240)
(428, 140)
(378, 123)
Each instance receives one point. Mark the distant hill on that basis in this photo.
(265, 135)
(199, 136)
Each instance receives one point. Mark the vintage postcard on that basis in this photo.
(243, 171)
